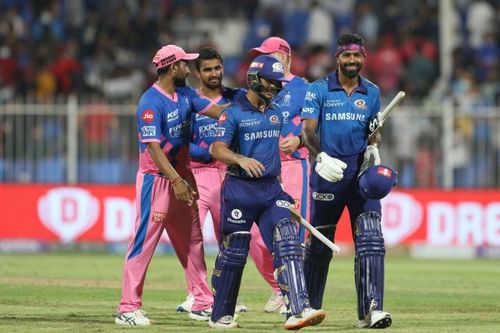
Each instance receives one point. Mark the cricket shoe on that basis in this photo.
(275, 302)
(224, 322)
(375, 319)
(308, 317)
(186, 305)
(136, 318)
(201, 315)
(240, 307)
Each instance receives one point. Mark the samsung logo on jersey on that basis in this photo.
(334, 103)
(249, 122)
(262, 135)
(344, 116)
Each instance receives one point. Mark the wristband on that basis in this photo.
(176, 180)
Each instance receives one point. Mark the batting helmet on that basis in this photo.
(377, 181)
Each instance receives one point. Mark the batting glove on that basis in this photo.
(329, 168)
(371, 157)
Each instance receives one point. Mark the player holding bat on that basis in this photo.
(248, 141)
(339, 114)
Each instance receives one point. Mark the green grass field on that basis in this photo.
(79, 293)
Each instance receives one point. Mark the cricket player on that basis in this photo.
(165, 187)
(295, 167)
(248, 141)
(210, 173)
(340, 111)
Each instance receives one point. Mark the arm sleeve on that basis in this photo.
(199, 104)
(312, 102)
(149, 120)
(226, 128)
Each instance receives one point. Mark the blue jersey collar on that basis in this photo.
(334, 84)
(247, 106)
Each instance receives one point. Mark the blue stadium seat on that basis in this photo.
(50, 170)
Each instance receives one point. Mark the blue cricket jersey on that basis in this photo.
(290, 100)
(166, 119)
(204, 127)
(252, 133)
(342, 119)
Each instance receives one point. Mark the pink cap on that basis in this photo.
(171, 53)
(270, 45)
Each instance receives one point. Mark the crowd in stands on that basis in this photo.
(54, 48)
(78, 46)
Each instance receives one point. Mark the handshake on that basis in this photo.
(329, 168)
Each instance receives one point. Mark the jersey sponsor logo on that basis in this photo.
(360, 104)
(174, 115)
(148, 116)
(236, 217)
(285, 114)
(307, 110)
(278, 67)
(345, 116)
(322, 196)
(207, 131)
(220, 131)
(274, 119)
(236, 214)
(262, 135)
(222, 118)
(180, 129)
(159, 217)
(148, 131)
(200, 116)
(282, 204)
(334, 103)
(249, 122)
(310, 96)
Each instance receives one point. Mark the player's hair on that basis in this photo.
(350, 38)
(207, 53)
(163, 70)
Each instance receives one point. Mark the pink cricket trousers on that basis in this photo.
(157, 210)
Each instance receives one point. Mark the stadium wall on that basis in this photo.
(105, 214)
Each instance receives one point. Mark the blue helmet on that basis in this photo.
(377, 181)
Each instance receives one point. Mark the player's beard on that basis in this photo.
(180, 81)
(351, 73)
(215, 84)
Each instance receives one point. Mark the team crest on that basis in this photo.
(360, 103)
(278, 67)
(274, 119)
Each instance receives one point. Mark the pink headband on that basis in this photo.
(351, 47)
